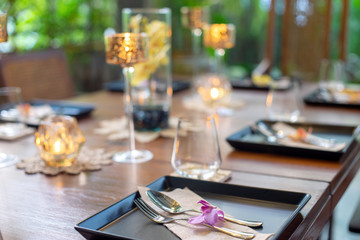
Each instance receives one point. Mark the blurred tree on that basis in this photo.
(77, 26)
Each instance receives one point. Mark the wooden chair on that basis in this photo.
(302, 46)
(43, 74)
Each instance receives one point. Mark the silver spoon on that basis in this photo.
(169, 205)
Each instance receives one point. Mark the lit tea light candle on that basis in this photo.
(3, 30)
(194, 17)
(213, 89)
(219, 36)
(59, 140)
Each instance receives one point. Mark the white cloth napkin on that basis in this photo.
(288, 130)
(187, 231)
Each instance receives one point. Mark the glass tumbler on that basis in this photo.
(284, 105)
(196, 151)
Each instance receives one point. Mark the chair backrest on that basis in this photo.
(44, 74)
(304, 38)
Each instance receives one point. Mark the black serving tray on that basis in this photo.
(249, 139)
(118, 86)
(317, 99)
(354, 225)
(77, 110)
(278, 210)
(247, 83)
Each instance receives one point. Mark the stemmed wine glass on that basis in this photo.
(9, 97)
(126, 49)
(195, 18)
(10, 102)
(214, 88)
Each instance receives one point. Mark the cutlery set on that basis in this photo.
(274, 136)
(170, 205)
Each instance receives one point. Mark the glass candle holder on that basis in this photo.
(3, 29)
(195, 18)
(59, 140)
(214, 86)
(126, 49)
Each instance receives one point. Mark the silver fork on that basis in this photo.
(158, 218)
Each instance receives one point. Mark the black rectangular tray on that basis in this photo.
(77, 110)
(118, 86)
(247, 83)
(278, 210)
(249, 139)
(316, 98)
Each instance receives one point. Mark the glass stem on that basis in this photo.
(196, 40)
(128, 74)
(219, 57)
(196, 48)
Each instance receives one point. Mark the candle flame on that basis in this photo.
(57, 146)
(214, 93)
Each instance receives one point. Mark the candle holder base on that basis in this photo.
(135, 156)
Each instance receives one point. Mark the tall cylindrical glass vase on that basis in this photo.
(151, 84)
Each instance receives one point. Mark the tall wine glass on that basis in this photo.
(10, 100)
(126, 49)
(195, 18)
(215, 87)
(8, 96)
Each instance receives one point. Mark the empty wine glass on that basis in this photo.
(196, 150)
(332, 75)
(126, 49)
(10, 110)
(195, 18)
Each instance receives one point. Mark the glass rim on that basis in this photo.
(3, 14)
(147, 10)
(10, 89)
(123, 34)
(191, 118)
(57, 119)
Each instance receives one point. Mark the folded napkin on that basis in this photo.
(225, 108)
(187, 231)
(221, 175)
(13, 131)
(288, 130)
(116, 129)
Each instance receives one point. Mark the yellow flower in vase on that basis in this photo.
(158, 33)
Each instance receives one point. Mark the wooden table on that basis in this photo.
(42, 207)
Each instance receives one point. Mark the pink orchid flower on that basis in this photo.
(210, 214)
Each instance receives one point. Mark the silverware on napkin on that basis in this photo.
(158, 218)
(170, 205)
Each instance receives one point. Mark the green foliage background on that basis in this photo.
(77, 26)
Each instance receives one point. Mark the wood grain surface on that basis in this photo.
(42, 207)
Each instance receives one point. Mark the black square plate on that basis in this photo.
(118, 86)
(60, 107)
(318, 99)
(77, 110)
(249, 139)
(247, 83)
(278, 210)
